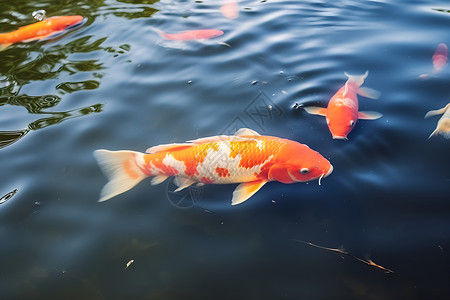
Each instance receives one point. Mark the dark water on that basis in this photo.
(114, 83)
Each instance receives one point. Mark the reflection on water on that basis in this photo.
(22, 65)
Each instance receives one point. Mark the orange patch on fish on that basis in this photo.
(128, 169)
(39, 30)
(201, 34)
(222, 172)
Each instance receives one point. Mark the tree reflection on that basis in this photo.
(27, 63)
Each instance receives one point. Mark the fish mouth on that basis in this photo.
(339, 137)
(325, 175)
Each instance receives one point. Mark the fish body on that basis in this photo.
(39, 30)
(342, 111)
(201, 34)
(230, 9)
(443, 125)
(440, 58)
(246, 158)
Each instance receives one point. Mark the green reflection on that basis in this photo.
(9, 137)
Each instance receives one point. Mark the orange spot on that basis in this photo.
(222, 172)
(190, 156)
(206, 180)
(251, 154)
(127, 168)
(157, 160)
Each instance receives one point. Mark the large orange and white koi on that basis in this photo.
(246, 158)
(39, 30)
(342, 111)
(443, 125)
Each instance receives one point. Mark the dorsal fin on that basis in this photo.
(168, 147)
(246, 131)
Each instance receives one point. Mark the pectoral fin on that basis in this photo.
(315, 110)
(4, 46)
(368, 93)
(246, 190)
(437, 111)
(369, 115)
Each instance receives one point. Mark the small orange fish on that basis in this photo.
(39, 30)
(246, 158)
(201, 34)
(443, 125)
(342, 111)
(230, 9)
(440, 58)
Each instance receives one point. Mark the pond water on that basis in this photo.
(115, 83)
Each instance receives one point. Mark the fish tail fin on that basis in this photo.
(121, 170)
(357, 79)
(159, 32)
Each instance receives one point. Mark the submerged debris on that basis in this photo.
(368, 262)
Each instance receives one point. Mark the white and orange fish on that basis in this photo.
(342, 111)
(443, 125)
(200, 34)
(439, 60)
(230, 9)
(39, 30)
(246, 158)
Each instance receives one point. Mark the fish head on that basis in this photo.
(340, 120)
(214, 33)
(299, 163)
(64, 22)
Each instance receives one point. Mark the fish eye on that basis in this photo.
(352, 122)
(304, 171)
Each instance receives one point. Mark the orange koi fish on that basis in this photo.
(201, 34)
(443, 125)
(342, 111)
(246, 158)
(230, 9)
(440, 58)
(39, 30)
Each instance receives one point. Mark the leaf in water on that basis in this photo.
(8, 196)
(129, 263)
(71, 87)
(9, 137)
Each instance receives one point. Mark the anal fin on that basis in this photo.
(183, 182)
(158, 179)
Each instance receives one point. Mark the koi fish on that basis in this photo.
(230, 9)
(201, 34)
(342, 111)
(443, 125)
(39, 30)
(246, 158)
(439, 59)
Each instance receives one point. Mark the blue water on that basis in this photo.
(114, 83)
